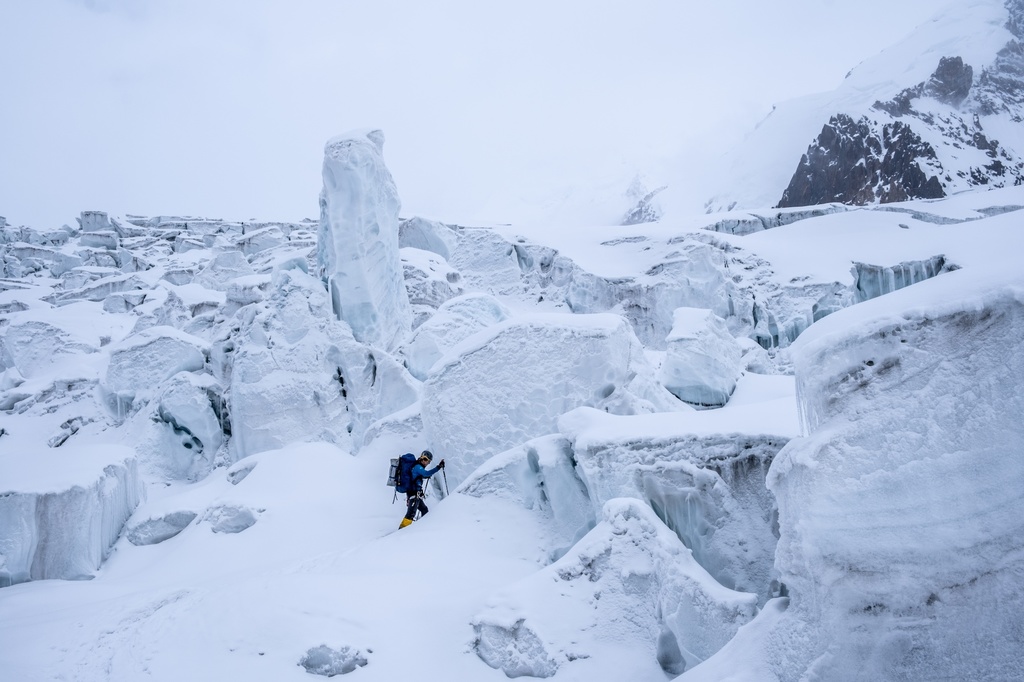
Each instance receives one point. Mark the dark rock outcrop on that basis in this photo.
(951, 82)
(1000, 87)
(865, 160)
(858, 162)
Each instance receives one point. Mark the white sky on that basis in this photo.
(221, 107)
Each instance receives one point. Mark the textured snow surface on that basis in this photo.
(454, 320)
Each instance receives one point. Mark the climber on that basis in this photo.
(414, 489)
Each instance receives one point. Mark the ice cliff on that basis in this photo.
(357, 246)
(62, 521)
(899, 512)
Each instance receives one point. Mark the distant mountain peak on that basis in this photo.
(955, 130)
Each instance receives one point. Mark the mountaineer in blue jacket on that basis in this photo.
(414, 492)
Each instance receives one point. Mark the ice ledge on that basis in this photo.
(59, 521)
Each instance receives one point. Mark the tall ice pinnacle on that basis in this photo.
(357, 246)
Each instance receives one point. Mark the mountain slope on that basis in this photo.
(936, 114)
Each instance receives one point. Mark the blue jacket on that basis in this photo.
(418, 474)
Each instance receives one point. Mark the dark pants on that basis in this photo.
(414, 502)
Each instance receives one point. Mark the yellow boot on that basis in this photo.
(405, 522)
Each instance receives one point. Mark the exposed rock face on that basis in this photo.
(884, 157)
(1000, 87)
(853, 162)
(645, 208)
(951, 82)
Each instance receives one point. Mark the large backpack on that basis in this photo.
(400, 475)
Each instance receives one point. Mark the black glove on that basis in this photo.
(441, 464)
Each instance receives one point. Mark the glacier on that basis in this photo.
(761, 444)
(239, 391)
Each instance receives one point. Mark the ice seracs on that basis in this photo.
(702, 362)
(35, 346)
(357, 248)
(61, 519)
(703, 473)
(180, 431)
(899, 537)
(455, 320)
(629, 587)
(599, 526)
(296, 373)
(429, 280)
(540, 475)
(518, 376)
(141, 362)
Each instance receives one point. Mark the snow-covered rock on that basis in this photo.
(60, 518)
(357, 247)
(628, 586)
(931, 116)
(702, 362)
(511, 381)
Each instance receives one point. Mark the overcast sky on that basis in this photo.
(221, 107)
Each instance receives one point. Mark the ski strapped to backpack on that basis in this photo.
(400, 474)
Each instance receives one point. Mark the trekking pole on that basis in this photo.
(446, 493)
